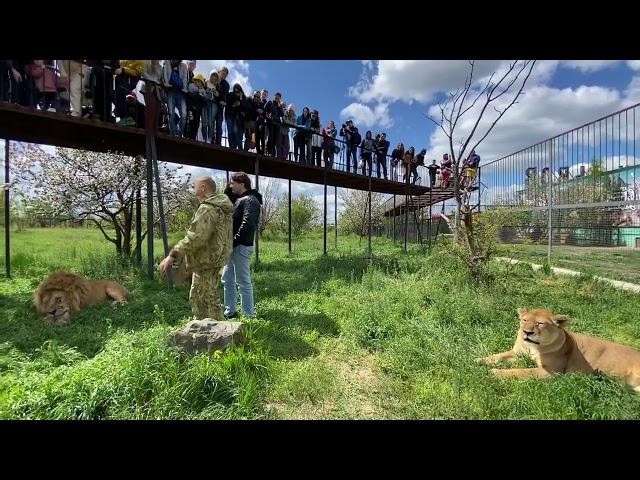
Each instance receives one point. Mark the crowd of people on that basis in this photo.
(195, 106)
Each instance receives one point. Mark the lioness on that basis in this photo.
(543, 338)
(62, 294)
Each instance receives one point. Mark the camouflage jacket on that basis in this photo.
(209, 241)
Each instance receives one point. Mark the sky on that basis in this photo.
(393, 96)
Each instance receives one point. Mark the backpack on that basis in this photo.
(175, 80)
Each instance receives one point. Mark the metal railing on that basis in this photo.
(90, 89)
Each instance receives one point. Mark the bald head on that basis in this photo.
(204, 186)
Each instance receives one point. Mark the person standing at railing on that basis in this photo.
(155, 97)
(471, 168)
(44, 77)
(194, 101)
(433, 170)
(317, 134)
(127, 76)
(210, 108)
(407, 161)
(396, 158)
(175, 80)
(445, 171)
(290, 120)
(102, 91)
(23, 90)
(283, 147)
(274, 115)
(353, 138)
(367, 147)
(329, 144)
(382, 147)
(223, 90)
(197, 96)
(417, 161)
(300, 136)
(77, 72)
(250, 120)
(234, 115)
(261, 123)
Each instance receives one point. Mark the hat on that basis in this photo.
(199, 77)
(193, 61)
(349, 121)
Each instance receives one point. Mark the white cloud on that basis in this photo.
(633, 64)
(540, 113)
(415, 80)
(587, 66)
(363, 115)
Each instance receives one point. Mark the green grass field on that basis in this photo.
(335, 337)
(615, 263)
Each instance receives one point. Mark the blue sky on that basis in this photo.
(393, 96)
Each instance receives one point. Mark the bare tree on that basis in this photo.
(503, 91)
(270, 190)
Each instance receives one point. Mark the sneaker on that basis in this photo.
(232, 315)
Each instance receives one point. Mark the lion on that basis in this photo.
(180, 271)
(542, 337)
(62, 294)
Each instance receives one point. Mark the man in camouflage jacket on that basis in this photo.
(207, 248)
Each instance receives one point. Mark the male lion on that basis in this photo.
(542, 337)
(62, 294)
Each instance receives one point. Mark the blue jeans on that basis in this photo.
(230, 120)
(209, 112)
(217, 127)
(176, 98)
(238, 272)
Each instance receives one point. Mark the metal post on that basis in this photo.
(550, 204)
(149, 212)
(138, 219)
(325, 212)
(430, 214)
(7, 216)
(406, 214)
(335, 215)
(369, 212)
(258, 229)
(289, 222)
(480, 186)
(394, 218)
(163, 225)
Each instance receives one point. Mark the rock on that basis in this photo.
(207, 335)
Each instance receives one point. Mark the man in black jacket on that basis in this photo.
(237, 273)
(223, 90)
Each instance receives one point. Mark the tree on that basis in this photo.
(354, 218)
(97, 186)
(452, 110)
(270, 190)
(305, 214)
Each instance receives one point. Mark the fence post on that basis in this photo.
(550, 202)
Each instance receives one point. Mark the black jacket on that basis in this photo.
(223, 89)
(246, 213)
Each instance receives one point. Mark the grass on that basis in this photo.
(615, 263)
(340, 336)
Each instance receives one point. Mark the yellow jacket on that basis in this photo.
(132, 68)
